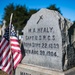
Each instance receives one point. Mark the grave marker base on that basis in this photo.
(24, 69)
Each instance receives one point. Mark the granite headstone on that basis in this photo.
(47, 46)
(45, 40)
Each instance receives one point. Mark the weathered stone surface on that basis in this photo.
(45, 40)
(34, 70)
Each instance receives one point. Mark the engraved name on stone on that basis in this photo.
(48, 37)
(23, 73)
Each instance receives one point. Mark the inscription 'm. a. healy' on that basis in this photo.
(41, 30)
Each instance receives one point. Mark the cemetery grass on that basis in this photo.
(3, 73)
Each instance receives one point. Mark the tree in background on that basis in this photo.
(53, 7)
(7, 12)
(20, 15)
(74, 22)
(32, 11)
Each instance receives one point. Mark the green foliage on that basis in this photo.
(74, 22)
(20, 15)
(8, 10)
(32, 11)
(53, 7)
(71, 29)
